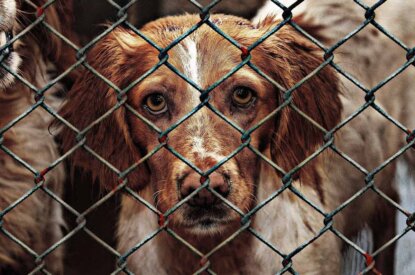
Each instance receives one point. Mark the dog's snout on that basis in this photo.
(218, 182)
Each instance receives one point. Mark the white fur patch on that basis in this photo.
(190, 60)
(7, 14)
(7, 20)
(199, 148)
(193, 64)
(405, 252)
(2, 38)
(7, 79)
(353, 261)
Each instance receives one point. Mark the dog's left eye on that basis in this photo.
(243, 97)
(155, 104)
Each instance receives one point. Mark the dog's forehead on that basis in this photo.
(178, 29)
(202, 55)
(205, 57)
(178, 25)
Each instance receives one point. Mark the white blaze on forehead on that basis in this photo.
(188, 55)
(190, 60)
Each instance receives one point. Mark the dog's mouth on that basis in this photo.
(206, 220)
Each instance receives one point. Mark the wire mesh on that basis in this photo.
(246, 217)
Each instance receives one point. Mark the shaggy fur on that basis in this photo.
(204, 139)
(36, 221)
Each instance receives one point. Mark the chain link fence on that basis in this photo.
(82, 219)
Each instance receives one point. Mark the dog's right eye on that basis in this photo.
(155, 104)
(243, 97)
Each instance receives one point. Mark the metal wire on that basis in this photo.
(287, 179)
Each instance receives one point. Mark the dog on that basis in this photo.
(37, 56)
(124, 130)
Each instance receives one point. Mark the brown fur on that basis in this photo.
(122, 139)
(113, 55)
(36, 221)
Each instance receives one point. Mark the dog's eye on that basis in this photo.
(155, 104)
(243, 96)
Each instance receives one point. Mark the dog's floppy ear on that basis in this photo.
(290, 58)
(91, 98)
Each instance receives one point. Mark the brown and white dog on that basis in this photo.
(36, 221)
(204, 139)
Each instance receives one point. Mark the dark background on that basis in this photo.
(89, 14)
(83, 254)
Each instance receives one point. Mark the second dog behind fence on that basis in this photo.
(31, 221)
(234, 152)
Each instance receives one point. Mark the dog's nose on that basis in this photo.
(218, 182)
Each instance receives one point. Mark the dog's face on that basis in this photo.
(7, 57)
(204, 139)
